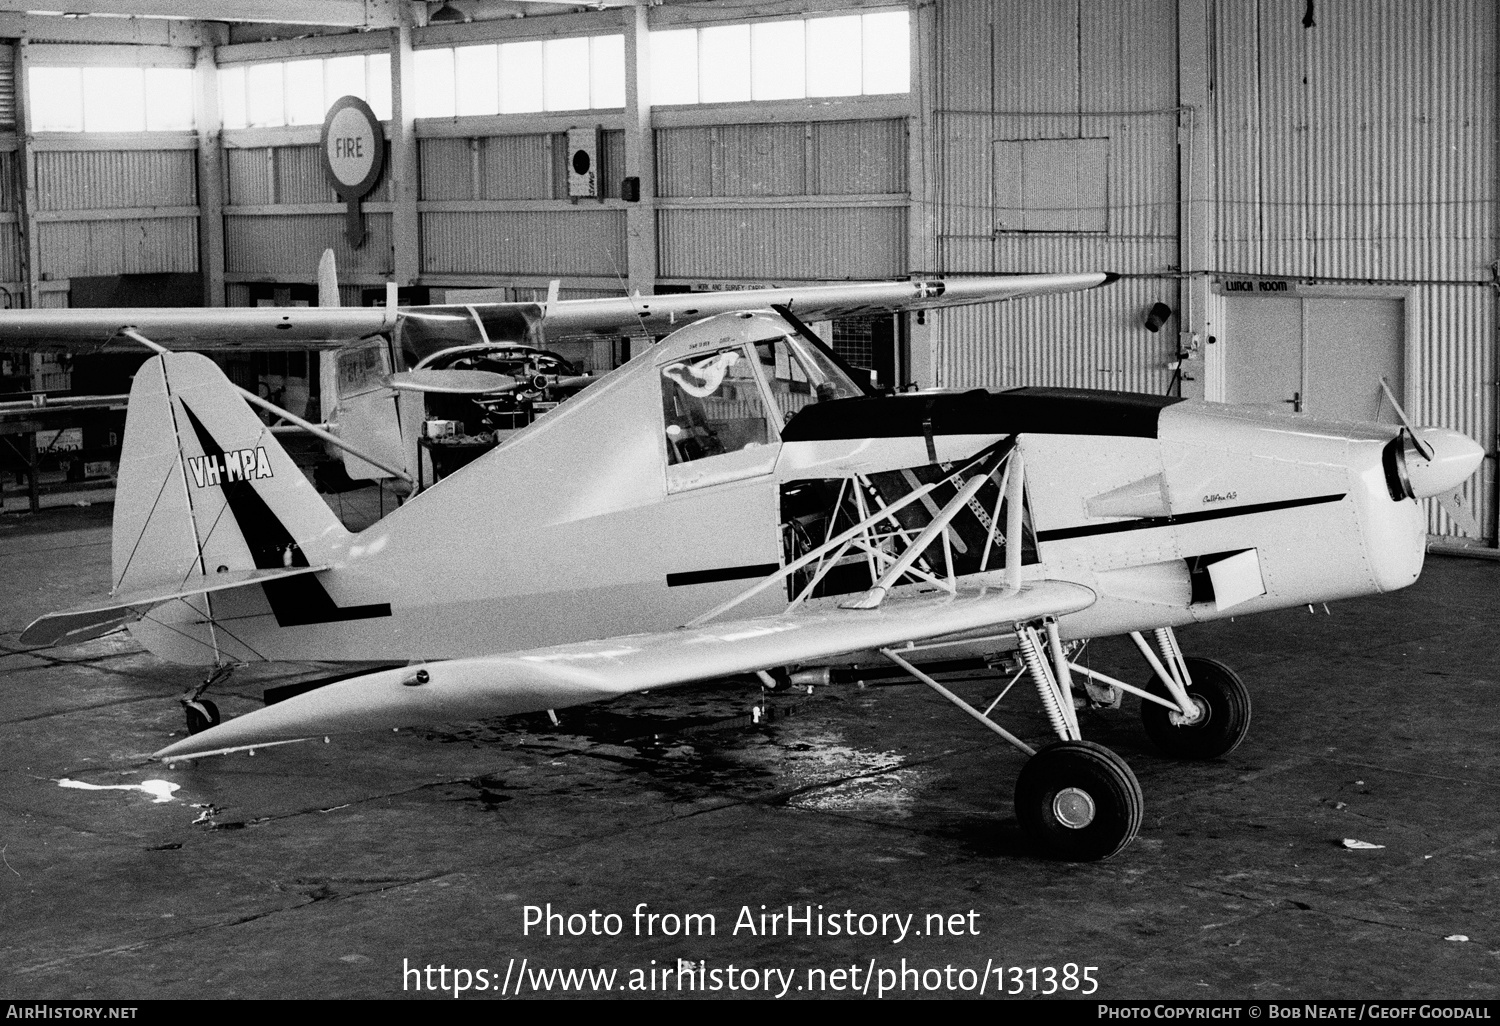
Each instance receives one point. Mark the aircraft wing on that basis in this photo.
(562, 675)
(628, 314)
(246, 328)
(275, 328)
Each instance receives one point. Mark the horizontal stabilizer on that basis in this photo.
(73, 626)
(565, 675)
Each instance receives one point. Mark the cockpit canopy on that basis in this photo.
(423, 332)
(731, 382)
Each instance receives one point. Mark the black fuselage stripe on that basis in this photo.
(1147, 523)
(295, 601)
(723, 573)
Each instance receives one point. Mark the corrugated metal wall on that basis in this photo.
(283, 247)
(475, 234)
(582, 241)
(1361, 148)
(1364, 147)
(782, 226)
(78, 195)
(100, 179)
(285, 244)
(780, 243)
(809, 159)
(1018, 70)
(284, 174)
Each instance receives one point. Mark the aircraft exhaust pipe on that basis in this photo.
(1455, 457)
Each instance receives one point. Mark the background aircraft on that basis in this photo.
(738, 468)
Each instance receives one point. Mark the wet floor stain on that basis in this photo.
(889, 795)
(160, 790)
(710, 745)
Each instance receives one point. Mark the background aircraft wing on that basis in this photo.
(564, 675)
(657, 314)
(196, 328)
(316, 327)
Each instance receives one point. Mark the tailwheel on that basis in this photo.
(1079, 801)
(1223, 707)
(202, 713)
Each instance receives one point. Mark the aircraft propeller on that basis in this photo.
(479, 382)
(1446, 460)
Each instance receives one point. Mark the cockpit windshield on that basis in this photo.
(830, 380)
(799, 374)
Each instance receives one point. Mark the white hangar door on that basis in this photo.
(1319, 355)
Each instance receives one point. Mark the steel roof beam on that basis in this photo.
(342, 13)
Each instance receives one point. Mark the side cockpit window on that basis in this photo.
(712, 404)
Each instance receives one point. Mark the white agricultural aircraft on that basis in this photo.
(731, 502)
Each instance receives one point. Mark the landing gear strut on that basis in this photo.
(201, 712)
(1193, 708)
(1075, 799)
(1222, 705)
(1078, 800)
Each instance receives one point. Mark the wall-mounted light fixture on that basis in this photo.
(1157, 316)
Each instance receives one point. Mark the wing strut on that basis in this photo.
(1014, 483)
(272, 408)
(854, 536)
(965, 706)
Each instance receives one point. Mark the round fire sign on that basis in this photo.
(353, 156)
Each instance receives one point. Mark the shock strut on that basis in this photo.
(1031, 648)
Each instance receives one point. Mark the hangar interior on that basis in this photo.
(1300, 199)
(1307, 190)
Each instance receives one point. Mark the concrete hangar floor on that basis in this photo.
(346, 869)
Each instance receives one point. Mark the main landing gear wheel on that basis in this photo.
(1079, 801)
(1223, 713)
(201, 714)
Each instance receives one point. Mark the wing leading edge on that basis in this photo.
(563, 675)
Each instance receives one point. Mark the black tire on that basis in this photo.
(1078, 801)
(1225, 700)
(201, 715)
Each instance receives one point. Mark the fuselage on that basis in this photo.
(684, 477)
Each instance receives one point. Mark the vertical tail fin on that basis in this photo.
(205, 488)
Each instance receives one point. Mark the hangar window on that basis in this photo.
(839, 55)
(574, 73)
(68, 99)
(277, 93)
(1052, 185)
